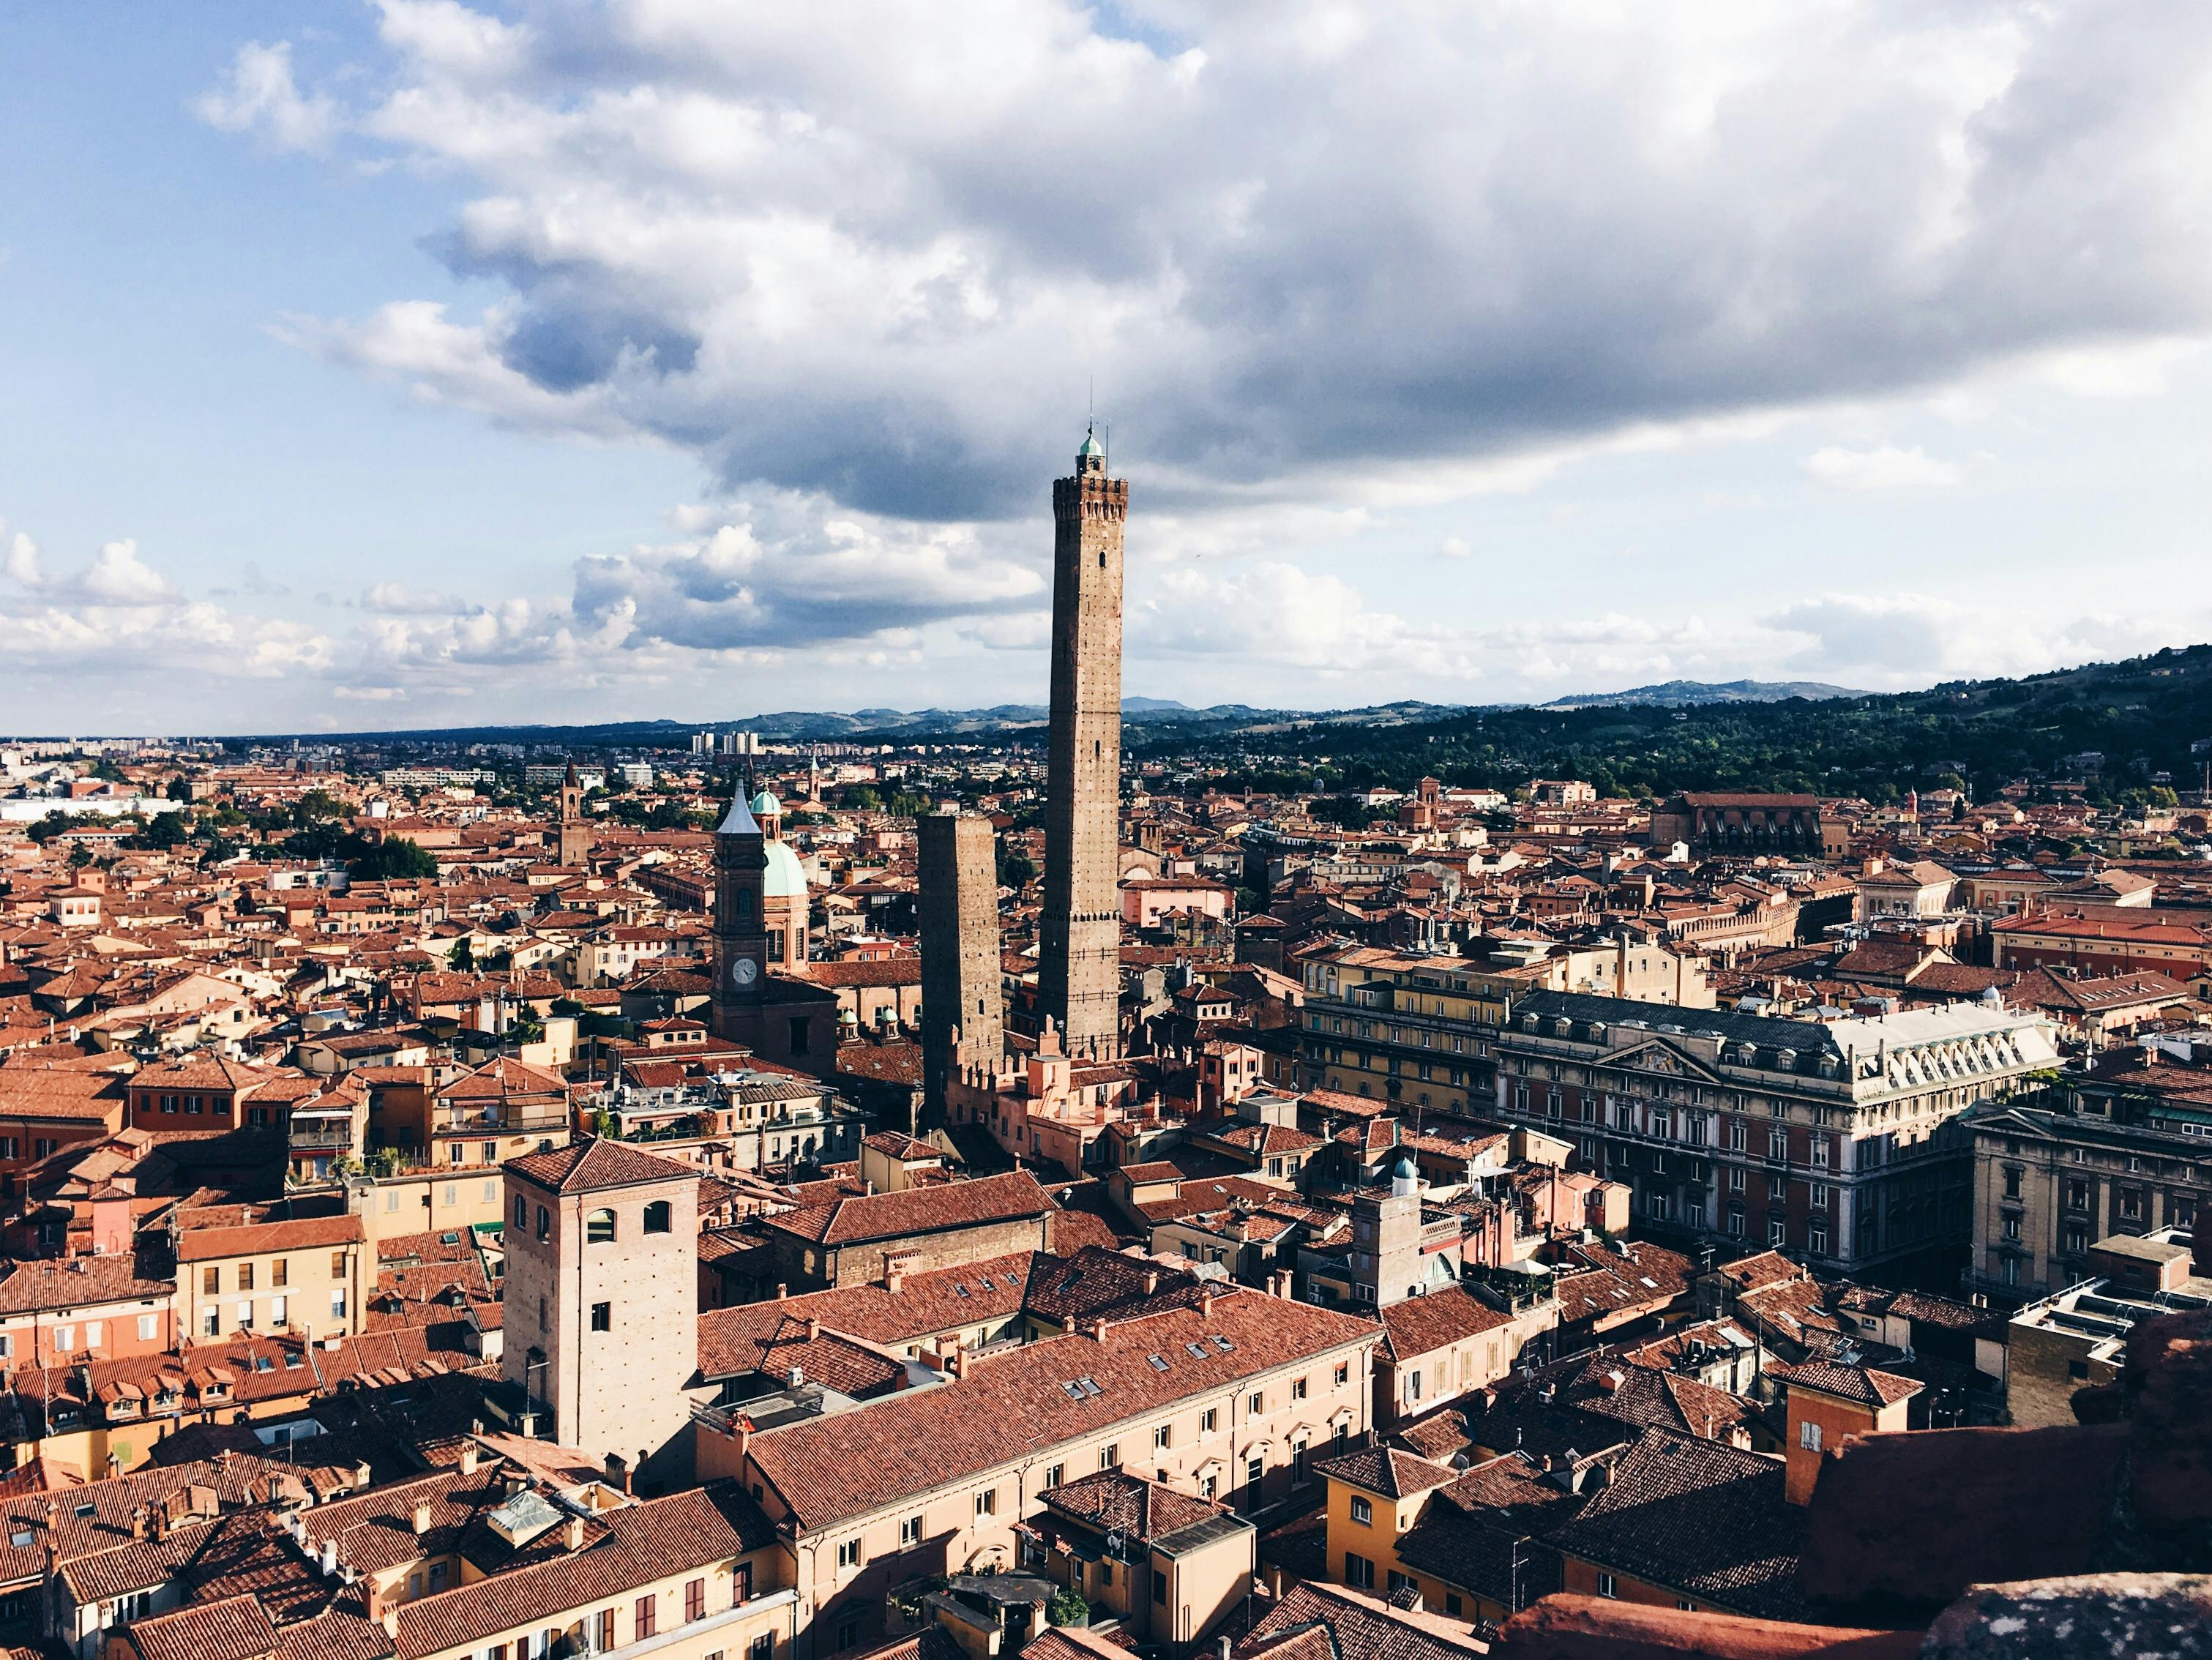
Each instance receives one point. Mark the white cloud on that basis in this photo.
(1896, 641)
(398, 599)
(1454, 547)
(260, 97)
(1886, 467)
(877, 263)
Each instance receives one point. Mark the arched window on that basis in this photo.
(657, 1217)
(544, 1223)
(600, 1228)
(521, 1212)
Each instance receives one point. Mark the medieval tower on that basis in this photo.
(961, 1017)
(575, 835)
(1079, 970)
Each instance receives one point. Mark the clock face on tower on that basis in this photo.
(744, 971)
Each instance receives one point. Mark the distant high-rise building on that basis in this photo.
(962, 1003)
(1080, 930)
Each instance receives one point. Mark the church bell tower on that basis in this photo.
(741, 943)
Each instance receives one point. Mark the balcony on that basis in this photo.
(321, 1138)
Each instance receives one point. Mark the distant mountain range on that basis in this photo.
(1691, 694)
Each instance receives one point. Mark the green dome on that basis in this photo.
(785, 878)
(765, 804)
(1091, 449)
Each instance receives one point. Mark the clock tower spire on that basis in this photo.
(741, 943)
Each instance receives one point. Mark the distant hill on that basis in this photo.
(2116, 730)
(1689, 694)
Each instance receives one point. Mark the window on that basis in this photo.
(1256, 1403)
(1809, 1436)
(1358, 1572)
(603, 1317)
(910, 1531)
(1209, 1420)
(149, 1326)
(280, 1311)
(1343, 1373)
(1453, 1606)
(986, 1502)
(647, 1615)
(1608, 1585)
(1162, 1437)
(337, 1265)
(1255, 1468)
(762, 1648)
(211, 1323)
(337, 1303)
(2012, 1183)
(521, 1211)
(600, 1228)
(544, 1223)
(65, 1336)
(1775, 1231)
(280, 1272)
(1398, 1582)
(604, 1639)
(1160, 1588)
(848, 1554)
(1054, 1476)
(1110, 1455)
(657, 1217)
(1362, 1512)
(246, 1276)
(211, 1280)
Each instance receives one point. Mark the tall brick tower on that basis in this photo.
(1079, 967)
(962, 1008)
(574, 835)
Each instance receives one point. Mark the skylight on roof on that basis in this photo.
(1089, 1386)
(1198, 1350)
(959, 1290)
(1222, 1343)
(1159, 1362)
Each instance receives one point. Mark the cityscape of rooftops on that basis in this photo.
(1532, 977)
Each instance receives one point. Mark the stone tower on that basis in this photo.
(741, 956)
(575, 831)
(962, 1009)
(1079, 969)
(1386, 1265)
(602, 1248)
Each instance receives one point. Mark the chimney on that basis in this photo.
(1152, 1281)
(813, 1329)
(894, 1272)
(330, 1563)
(422, 1517)
(1223, 1651)
(469, 1458)
(360, 1476)
(572, 1533)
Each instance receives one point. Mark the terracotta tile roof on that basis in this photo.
(80, 1281)
(1421, 1325)
(1863, 1385)
(1697, 1517)
(590, 1165)
(298, 1233)
(763, 1337)
(232, 1629)
(1017, 1404)
(1316, 1622)
(1147, 1511)
(1386, 1471)
(655, 1540)
(868, 1218)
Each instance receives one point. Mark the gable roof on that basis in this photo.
(590, 1165)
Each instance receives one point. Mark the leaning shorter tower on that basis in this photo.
(963, 1017)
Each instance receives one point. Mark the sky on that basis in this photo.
(416, 363)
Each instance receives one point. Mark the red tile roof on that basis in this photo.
(591, 1165)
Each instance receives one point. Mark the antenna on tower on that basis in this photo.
(1107, 459)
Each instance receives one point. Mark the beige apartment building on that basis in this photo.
(1231, 1400)
(309, 1274)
